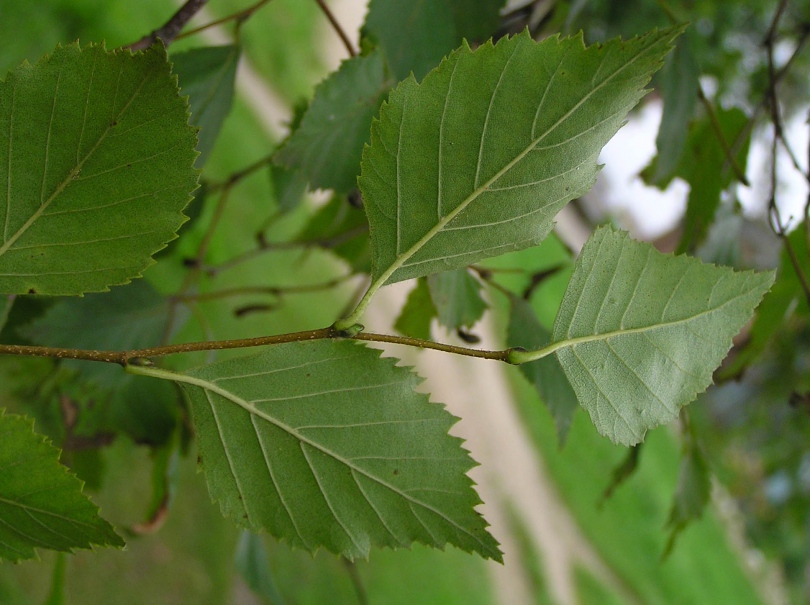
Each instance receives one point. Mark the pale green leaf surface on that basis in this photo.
(478, 159)
(207, 76)
(416, 36)
(324, 444)
(96, 167)
(457, 298)
(645, 330)
(327, 145)
(544, 374)
(41, 503)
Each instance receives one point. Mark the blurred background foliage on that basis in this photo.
(748, 436)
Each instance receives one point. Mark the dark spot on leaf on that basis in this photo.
(199, 459)
(32, 291)
(396, 471)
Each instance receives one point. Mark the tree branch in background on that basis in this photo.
(238, 16)
(718, 131)
(338, 29)
(169, 32)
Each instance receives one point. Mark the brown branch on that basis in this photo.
(770, 36)
(169, 32)
(774, 80)
(265, 246)
(237, 176)
(277, 291)
(718, 131)
(137, 356)
(338, 29)
(239, 17)
(779, 229)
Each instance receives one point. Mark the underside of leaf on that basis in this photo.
(478, 159)
(640, 332)
(324, 444)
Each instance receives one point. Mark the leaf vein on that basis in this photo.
(326, 499)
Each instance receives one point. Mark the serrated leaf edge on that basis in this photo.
(208, 386)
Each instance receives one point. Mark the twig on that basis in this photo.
(169, 32)
(265, 246)
(238, 16)
(269, 290)
(770, 36)
(237, 176)
(718, 131)
(779, 229)
(338, 29)
(196, 263)
(774, 80)
(138, 356)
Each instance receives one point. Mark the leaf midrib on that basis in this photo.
(572, 342)
(402, 258)
(75, 171)
(28, 509)
(248, 407)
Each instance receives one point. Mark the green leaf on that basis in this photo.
(328, 144)
(546, 374)
(6, 303)
(324, 444)
(415, 317)
(785, 298)
(96, 169)
(457, 298)
(679, 83)
(342, 228)
(640, 332)
(703, 165)
(705, 168)
(128, 317)
(478, 159)
(623, 471)
(289, 186)
(417, 35)
(691, 494)
(207, 76)
(253, 565)
(41, 504)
